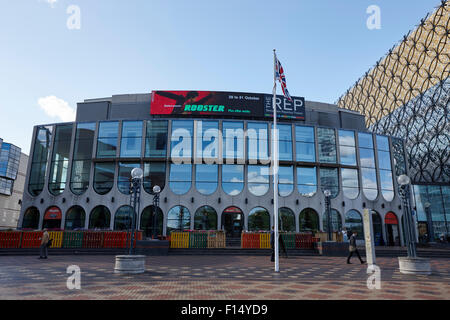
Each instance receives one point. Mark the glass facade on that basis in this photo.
(205, 218)
(305, 144)
(329, 180)
(257, 141)
(367, 161)
(286, 220)
(124, 178)
(347, 147)
(156, 139)
(309, 220)
(181, 139)
(82, 158)
(178, 219)
(75, 218)
(100, 218)
(60, 159)
(39, 160)
(336, 221)
(284, 142)
(385, 168)
(131, 142)
(258, 180)
(123, 218)
(307, 181)
(108, 134)
(180, 178)
(259, 220)
(353, 223)
(232, 179)
(327, 145)
(104, 177)
(206, 178)
(233, 140)
(207, 140)
(285, 180)
(350, 183)
(154, 175)
(9, 167)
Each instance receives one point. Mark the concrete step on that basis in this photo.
(239, 251)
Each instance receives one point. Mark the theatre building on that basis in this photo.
(210, 154)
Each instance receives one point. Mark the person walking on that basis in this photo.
(280, 242)
(44, 242)
(353, 248)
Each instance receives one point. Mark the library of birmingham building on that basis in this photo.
(210, 154)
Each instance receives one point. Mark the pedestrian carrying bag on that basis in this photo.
(49, 243)
(352, 248)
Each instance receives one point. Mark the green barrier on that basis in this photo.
(72, 239)
(198, 240)
(289, 240)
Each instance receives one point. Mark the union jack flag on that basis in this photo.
(282, 79)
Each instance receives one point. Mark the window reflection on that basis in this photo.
(206, 178)
(347, 149)
(284, 142)
(367, 161)
(257, 141)
(327, 145)
(123, 218)
(130, 145)
(205, 218)
(307, 181)
(181, 138)
(285, 180)
(304, 139)
(233, 139)
(60, 159)
(258, 219)
(124, 180)
(258, 179)
(350, 184)
(178, 219)
(82, 157)
(103, 177)
(108, 133)
(207, 139)
(180, 178)
(39, 160)
(156, 139)
(232, 179)
(154, 175)
(329, 180)
(385, 168)
(353, 222)
(336, 221)
(309, 220)
(286, 220)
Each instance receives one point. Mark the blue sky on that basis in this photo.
(137, 46)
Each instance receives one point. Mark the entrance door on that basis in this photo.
(233, 222)
(392, 232)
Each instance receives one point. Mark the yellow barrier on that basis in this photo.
(179, 240)
(216, 239)
(57, 238)
(264, 240)
(336, 236)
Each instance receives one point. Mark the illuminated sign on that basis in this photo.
(224, 104)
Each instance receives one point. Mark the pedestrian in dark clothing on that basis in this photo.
(272, 245)
(353, 248)
(44, 242)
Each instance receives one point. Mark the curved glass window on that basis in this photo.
(309, 220)
(180, 178)
(329, 180)
(285, 180)
(39, 160)
(149, 220)
(233, 139)
(207, 139)
(123, 218)
(178, 218)
(304, 143)
(60, 159)
(286, 220)
(232, 178)
(399, 156)
(350, 184)
(385, 168)
(336, 221)
(206, 178)
(104, 177)
(257, 141)
(124, 180)
(307, 181)
(258, 180)
(327, 145)
(108, 133)
(181, 138)
(154, 175)
(75, 218)
(259, 219)
(353, 222)
(377, 228)
(82, 158)
(367, 160)
(31, 219)
(284, 142)
(347, 147)
(205, 218)
(100, 218)
(156, 139)
(131, 142)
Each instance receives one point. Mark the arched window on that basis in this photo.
(149, 220)
(31, 219)
(180, 178)
(82, 158)
(100, 218)
(123, 218)
(309, 220)
(377, 228)
(259, 219)
(205, 218)
(232, 179)
(232, 222)
(385, 168)
(124, 180)
(286, 220)
(350, 184)
(39, 160)
(336, 221)
(104, 177)
(258, 180)
(75, 218)
(178, 218)
(60, 160)
(154, 175)
(353, 222)
(307, 181)
(52, 218)
(285, 180)
(367, 160)
(206, 178)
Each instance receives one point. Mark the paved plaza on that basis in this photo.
(217, 278)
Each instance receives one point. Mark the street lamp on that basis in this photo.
(404, 182)
(327, 194)
(156, 191)
(430, 231)
(136, 177)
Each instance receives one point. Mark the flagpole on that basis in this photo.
(275, 163)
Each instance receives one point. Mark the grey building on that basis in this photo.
(79, 173)
(13, 164)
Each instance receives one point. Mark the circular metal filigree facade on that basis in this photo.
(406, 94)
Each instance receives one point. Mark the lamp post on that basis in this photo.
(156, 191)
(430, 231)
(327, 194)
(136, 177)
(404, 182)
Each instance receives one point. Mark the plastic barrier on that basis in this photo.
(93, 239)
(113, 239)
(31, 239)
(251, 240)
(304, 241)
(264, 240)
(10, 239)
(179, 239)
(198, 239)
(289, 240)
(57, 238)
(216, 239)
(73, 239)
(127, 238)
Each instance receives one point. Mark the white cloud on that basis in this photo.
(51, 2)
(57, 108)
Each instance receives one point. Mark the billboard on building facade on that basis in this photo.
(223, 104)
